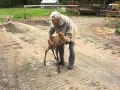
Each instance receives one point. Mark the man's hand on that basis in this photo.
(67, 39)
(64, 39)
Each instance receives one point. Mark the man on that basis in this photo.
(61, 23)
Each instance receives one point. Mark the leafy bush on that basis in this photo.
(117, 31)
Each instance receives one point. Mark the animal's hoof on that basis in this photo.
(58, 70)
(44, 64)
(61, 63)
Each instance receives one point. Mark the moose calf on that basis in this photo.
(54, 44)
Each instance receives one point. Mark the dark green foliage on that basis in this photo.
(13, 3)
(31, 2)
(117, 31)
(9, 3)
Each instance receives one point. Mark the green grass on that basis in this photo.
(117, 31)
(18, 13)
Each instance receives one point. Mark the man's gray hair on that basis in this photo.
(56, 15)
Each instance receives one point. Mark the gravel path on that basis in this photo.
(22, 46)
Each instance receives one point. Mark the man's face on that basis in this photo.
(55, 21)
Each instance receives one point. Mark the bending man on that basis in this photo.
(61, 23)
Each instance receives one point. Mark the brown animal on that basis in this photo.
(54, 44)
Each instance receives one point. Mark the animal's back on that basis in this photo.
(54, 40)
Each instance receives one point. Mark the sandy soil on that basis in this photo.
(22, 47)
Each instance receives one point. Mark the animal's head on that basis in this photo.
(61, 37)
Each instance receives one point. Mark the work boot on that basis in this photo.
(61, 63)
(70, 67)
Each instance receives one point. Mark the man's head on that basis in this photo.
(56, 18)
(55, 21)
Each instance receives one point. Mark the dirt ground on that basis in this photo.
(22, 47)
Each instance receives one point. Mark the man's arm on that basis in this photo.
(51, 31)
(68, 33)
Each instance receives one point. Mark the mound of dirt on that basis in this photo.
(13, 29)
(36, 22)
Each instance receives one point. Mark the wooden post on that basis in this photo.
(91, 3)
(25, 13)
(104, 2)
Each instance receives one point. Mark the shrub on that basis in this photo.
(117, 31)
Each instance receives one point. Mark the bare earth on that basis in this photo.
(22, 46)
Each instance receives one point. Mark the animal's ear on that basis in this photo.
(61, 33)
(58, 32)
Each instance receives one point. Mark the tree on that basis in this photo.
(12, 3)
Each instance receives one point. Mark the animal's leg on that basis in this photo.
(54, 53)
(57, 60)
(45, 56)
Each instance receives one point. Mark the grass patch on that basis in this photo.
(18, 13)
(117, 31)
